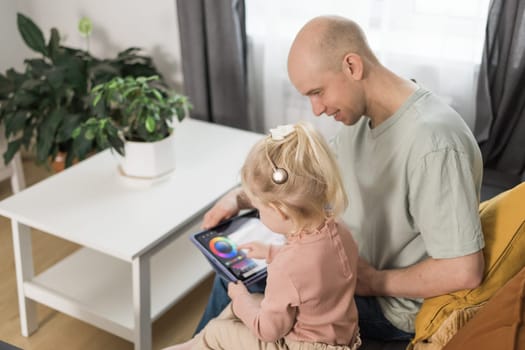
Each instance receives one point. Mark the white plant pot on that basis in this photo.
(149, 159)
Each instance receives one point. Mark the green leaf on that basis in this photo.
(12, 148)
(129, 91)
(75, 69)
(36, 66)
(15, 122)
(180, 112)
(82, 146)
(153, 77)
(76, 132)
(157, 94)
(56, 76)
(15, 77)
(6, 86)
(102, 140)
(31, 34)
(27, 137)
(97, 88)
(100, 109)
(89, 134)
(46, 134)
(54, 44)
(31, 84)
(24, 99)
(117, 144)
(132, 106)
(97, 99)
(70, 158)
(150, 124)
(102, 71)
(131, 51)
(68, 126)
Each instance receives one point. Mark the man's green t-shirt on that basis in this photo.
(413, 187)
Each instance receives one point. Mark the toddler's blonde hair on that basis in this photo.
(314, 189)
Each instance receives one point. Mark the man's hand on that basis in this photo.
(256, 250)
(366, 275)
(236, 289)
(225, 208)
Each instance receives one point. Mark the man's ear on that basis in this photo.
(353, 66)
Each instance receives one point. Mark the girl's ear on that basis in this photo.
(353, 66)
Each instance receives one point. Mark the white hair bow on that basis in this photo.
(281, 131)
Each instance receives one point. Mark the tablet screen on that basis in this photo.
(222, 243)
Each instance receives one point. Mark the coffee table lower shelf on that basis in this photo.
(97, 288)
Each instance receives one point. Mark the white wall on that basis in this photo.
(12, 48)
(117, 25)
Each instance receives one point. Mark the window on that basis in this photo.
(438, 43)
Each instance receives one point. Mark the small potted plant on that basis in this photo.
(135, 117)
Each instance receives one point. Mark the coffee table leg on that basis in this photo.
(24, 272)
(142, 302)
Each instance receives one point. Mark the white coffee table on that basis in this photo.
(136, 260)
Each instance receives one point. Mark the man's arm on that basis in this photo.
(428, 278)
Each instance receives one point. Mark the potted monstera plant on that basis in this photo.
(135, 116)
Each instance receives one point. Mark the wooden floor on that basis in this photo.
(58, 331)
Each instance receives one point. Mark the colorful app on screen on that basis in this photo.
(223, 247)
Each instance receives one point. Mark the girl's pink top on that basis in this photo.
(310, 289)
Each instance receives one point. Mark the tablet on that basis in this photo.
(220, 246)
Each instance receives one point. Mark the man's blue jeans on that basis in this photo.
(372, 322)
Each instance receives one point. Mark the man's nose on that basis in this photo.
(317, 106)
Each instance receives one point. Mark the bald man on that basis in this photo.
(412, 171)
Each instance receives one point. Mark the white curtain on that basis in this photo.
(438, 43)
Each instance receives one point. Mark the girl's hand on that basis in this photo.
(256, 250)
(236, 289)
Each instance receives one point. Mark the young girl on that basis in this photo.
(291, 177)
